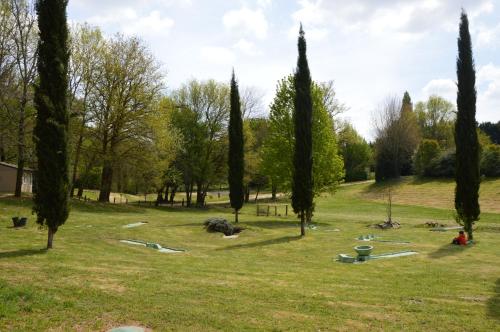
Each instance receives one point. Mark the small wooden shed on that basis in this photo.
(8, 178)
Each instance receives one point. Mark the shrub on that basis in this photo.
(490, 161)
(221, 225)
(442, 166)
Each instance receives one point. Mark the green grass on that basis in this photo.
(268, 279)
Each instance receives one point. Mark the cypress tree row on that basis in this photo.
(467, 175)
(51, 128)
(236, 157)
(302, 186)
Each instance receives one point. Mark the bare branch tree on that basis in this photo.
(25, 51)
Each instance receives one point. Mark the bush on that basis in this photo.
(221, 225)
(490, 161)
(427, 151)
(442, 166)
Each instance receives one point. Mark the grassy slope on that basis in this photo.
(268, 279)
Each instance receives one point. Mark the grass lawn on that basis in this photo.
(267, 279)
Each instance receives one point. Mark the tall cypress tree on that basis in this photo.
(236, 157)
(302, 185)
(408, 118)
(467, 163)
(51, 129)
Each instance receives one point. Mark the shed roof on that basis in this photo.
(14, 166)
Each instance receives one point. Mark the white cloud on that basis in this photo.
(403, 17)
(443, 87)
(313, 17)
(217, 55)
(247, 47)
(488, 91)
(252, 22)
(488, 79)
(488, 36)
(151, 24)
(128, 21)
(311, 12)
(264, 3)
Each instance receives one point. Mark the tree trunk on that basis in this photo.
(20, 149)
(302, 224)
(77, 156)
(247, 194)
(308, 216)
(106, 181)
(188, 187)
(159, 197)
(200, 197)
(2, 149)
(468, 229)
(172, 193)
(80, 190)
(235, 216)
(50, 238)
(274, 189)
(257, 194)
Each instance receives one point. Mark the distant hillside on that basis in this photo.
(428, 192)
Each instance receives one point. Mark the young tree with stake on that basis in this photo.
(467, 174)
(236, 157)
(51, 129)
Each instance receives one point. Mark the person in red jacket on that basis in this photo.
(461, 239)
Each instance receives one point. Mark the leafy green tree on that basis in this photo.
(467, 145)
(255, 132)
(236, 156)
(51, 131)
(125, 93)
(201, 117)
(436, 118)
(278, 147)
(490, 161)
(492, 130)
(87, 45)
(428, 150)
(355, 152)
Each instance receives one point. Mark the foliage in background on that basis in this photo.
(397, 136)
(278, 145)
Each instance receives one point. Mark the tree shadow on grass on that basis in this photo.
(448, 250)
(284, 239)
(22, 253)
(278, 224)
(494, 303)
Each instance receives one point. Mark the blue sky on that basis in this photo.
(370, 49)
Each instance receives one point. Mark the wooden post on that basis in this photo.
(286, 210)
(126, 200)
(114, 200)
(275, 210)
(268, 210)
